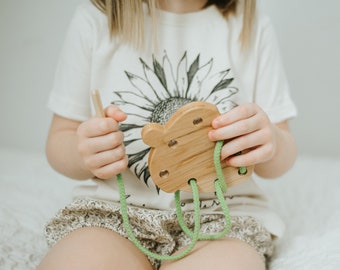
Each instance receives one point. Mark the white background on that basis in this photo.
(32, 32)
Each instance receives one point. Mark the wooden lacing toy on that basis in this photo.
(182, 158)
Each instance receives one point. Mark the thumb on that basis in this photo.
(115, 113)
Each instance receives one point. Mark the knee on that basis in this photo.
(235, 254)
(88, 248)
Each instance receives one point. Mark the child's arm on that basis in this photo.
(271, 146)
(91, 148)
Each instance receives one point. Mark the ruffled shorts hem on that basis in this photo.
(157, 230)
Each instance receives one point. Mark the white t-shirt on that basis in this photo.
(198, 58)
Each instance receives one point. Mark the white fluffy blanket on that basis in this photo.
(307, 198)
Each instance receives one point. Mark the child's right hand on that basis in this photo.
(101, 144)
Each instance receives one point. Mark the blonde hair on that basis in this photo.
(126, 17)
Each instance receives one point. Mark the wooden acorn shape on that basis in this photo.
(181, 150)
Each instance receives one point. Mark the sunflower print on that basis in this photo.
(158, 91)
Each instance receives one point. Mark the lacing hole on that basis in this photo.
(164, 173)
(242, 170)
(191, 179)
(198, 120)
(172, 143)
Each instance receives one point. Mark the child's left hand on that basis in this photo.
(246, 127)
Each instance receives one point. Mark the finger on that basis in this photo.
(236, 129)
(110, 170)
(105, 158)
(254, 156)
(115, 113)
(241, 112)
(105, 142)
(97, 127)
(240, 144)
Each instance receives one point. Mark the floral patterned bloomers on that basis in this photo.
(157, 230)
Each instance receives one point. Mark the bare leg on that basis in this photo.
(94, 248)
(230, 254)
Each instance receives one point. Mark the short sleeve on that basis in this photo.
(272, 91)
(70, 93)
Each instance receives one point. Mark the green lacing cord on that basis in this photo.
(139, 245)
(225, 210)
(218, 166)
(220, 187)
